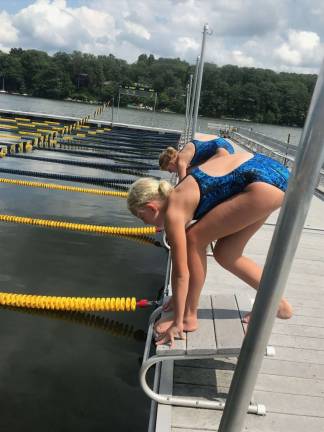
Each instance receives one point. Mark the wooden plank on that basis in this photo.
(163, 416)
(221, 379)
(292, 368)
(281, 328)
(228, 326)
(202, 341)
(193, 420)
(316, 344)
(304, 356)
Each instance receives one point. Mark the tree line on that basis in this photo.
(259, 95)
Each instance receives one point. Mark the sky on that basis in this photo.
(282, 35)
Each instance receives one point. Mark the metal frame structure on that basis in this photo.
(188, 99)
(136, 92)
(168, 399)
(302, 184)
(199, 80)
(157, 373)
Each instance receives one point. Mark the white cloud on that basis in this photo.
(276, 34)
(8, 33)
(184, 44)
(301, 48)
(53, 26)
(241, 59)
(137, 30)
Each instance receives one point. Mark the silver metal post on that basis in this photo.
(154, 108)
(304, 179)
(118, 104)
(200, 74)
(193, 97)
(112, 111)
(186, 128)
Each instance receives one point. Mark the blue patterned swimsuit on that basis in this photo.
(215, 190)
(204, 150)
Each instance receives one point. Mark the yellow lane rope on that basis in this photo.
(112, 304)
(63, 188)
(79, 227)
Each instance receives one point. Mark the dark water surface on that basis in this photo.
(70, 372)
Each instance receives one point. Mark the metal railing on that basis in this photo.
(268, 149)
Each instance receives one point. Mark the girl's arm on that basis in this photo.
(182, 169)
(184, 160)
(175, 228)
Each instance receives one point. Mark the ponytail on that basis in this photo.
(166, 157)
(145, 190)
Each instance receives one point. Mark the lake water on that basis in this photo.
(134, 116)
(71, 372)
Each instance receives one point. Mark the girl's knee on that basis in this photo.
(194, 240)
(223, 258)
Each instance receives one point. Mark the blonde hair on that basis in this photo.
(166, 157)
(145, 190)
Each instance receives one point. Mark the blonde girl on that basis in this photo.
(230, 197)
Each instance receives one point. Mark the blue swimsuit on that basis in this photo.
(215, 190)
(204, 150)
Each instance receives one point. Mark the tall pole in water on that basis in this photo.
(304, 179)
(200, 74)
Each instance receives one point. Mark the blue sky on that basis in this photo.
(283, 35)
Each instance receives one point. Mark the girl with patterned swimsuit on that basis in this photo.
(194, 153)
(230, 197)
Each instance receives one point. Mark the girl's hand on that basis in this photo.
(172, 333)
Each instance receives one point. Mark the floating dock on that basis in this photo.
(290, 384)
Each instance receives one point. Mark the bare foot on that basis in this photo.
(189, 324)
(285, 311)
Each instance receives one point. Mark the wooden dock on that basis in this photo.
(291, 384)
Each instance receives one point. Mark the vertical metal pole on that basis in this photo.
(153, 115)
(304, 179)
(118, 104)
(200, 73)
(189, 86)
(287, 150)
(112, 111)
(193, 97)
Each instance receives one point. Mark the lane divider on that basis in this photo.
(128, 231)
(115, 183)
(63, 188)
(93, 304)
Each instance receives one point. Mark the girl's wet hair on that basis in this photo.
(166, 157)
(145, 190)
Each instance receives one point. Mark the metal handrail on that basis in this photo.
(168, 399)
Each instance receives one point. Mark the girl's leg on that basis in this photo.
(232, 216)
(228, 252)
